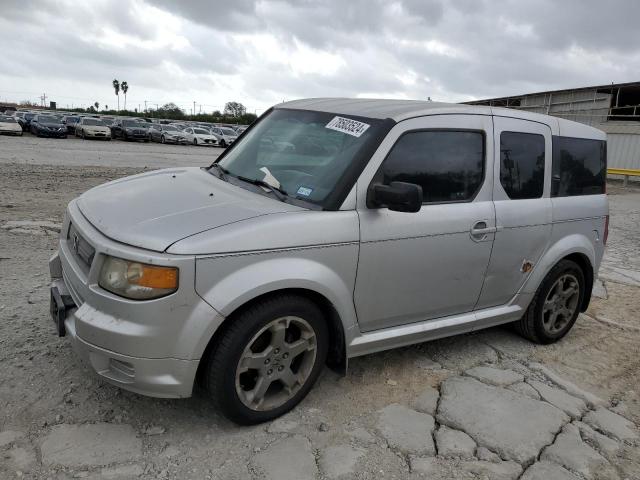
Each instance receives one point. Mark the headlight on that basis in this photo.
(137, 281)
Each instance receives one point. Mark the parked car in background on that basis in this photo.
(9, 125)
(167, 134)
(89, 127)
(200, 136)
(179, 126)
(130, 130)
(25, 121)
(226, 136)
(70, 121)
(369, 225)
(48, 126)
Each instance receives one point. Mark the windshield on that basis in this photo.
(228, 131)
(201, 131)
(94, 122)
(5, 119)
(305, 153)
(133, 124)
(169, 128)
(72, 119)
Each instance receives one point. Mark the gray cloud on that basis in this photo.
(262, 51)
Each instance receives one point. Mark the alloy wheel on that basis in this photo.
(560, 303)
(276, 363)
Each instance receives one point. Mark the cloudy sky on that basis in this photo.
(261, 52)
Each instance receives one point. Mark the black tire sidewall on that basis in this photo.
(230, 352)
(562, 268)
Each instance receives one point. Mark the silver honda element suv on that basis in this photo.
(332, 228)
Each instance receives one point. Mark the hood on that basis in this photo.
(51, 124)
(156, 209)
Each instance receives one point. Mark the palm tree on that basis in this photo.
(124, 87)
(116, 87)
(97, 105)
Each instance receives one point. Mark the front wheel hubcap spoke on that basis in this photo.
(276, 363)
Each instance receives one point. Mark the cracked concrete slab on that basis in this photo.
(454, 443)
(9, 436)
(427, 402)
(495, 376)
(572, 453)
(592, 400)
(572, 406)
(339, 460)
(603, 444)
(525, 389)
(611, 423)
(407, 430)
(90, 445)
(514, 426)
(547, 471)
(291, 458)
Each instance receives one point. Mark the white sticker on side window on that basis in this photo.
(348, 126)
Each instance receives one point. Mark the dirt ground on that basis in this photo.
(42, 384)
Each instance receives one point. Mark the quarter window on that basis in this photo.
(522, 164)
(579, 166)
(448, 165)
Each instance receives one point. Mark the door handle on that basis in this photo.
(483, 231)
(480, 230)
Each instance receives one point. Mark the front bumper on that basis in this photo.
(96, 134)
(148, 347)
(52, 133)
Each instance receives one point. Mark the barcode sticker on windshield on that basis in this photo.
(348, 126)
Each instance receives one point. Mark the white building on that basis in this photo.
(613, 108)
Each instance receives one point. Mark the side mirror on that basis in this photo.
(397, 196)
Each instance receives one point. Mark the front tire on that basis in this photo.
(555, 306)
(223, 144)
(162, 139)
(267, 359)
(195, 142)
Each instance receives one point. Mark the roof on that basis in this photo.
(399, 110)
(381, 108)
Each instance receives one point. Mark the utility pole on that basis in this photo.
(43, 100)
(194, 107)
(145, 105)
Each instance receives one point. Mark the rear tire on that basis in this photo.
(267, 359)
(223, 144)
(162, 139)
(555, 305)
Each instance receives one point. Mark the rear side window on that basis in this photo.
(522, 164)
(448, 165)
(579, 166)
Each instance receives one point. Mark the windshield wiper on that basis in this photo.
(278, 192)
(222, 172)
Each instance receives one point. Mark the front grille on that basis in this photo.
(80, 248)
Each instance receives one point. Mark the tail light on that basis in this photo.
(606, 230)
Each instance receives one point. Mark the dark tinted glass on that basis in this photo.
(579, 166)
(522, 164)
(448, 165)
